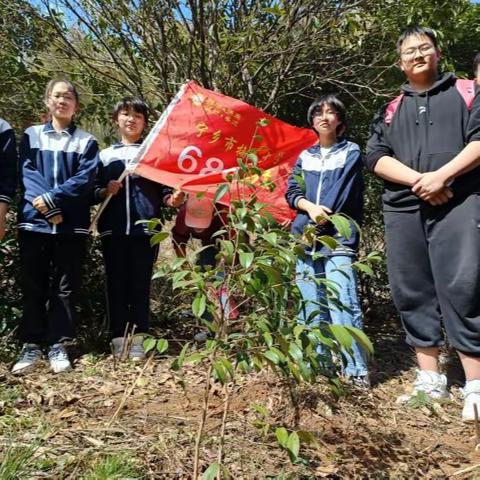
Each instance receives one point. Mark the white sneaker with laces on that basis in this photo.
(118, 344)
(431, 383)
(471, 393)
(137, 352)
(58, 358)
(29, 357)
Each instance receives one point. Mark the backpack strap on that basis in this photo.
(466, 89)
(392, 108)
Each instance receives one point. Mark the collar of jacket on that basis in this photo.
(336, 146)
(48, 128)
(441, 80)
(120, 144)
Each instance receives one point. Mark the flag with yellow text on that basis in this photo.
(201, 136)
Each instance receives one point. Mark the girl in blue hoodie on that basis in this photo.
(327, 179)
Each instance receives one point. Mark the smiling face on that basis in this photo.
(62, 102)
(419, 58)
(130, 124)
(325, 121)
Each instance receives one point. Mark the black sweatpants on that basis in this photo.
(433, 259)
(51, 272)
(129, 265)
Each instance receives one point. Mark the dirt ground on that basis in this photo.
(68, 426)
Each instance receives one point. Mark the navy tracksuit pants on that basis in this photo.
(51, 272)
(129, 265)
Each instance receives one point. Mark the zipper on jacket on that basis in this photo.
(319, 190)
(55, 180)
(127, 203)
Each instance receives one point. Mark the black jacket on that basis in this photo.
(426, 132)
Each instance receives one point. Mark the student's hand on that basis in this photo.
(441, 197)
(429, 185)
(56, 219)
(40, 205)
(319, 213)
(113, 186)
(176, 199)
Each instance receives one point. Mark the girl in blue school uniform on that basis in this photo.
(58, 162)
(332, 183)
(127, 253)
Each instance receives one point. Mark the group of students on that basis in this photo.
(425, 144)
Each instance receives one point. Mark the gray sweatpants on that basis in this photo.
(433, 259)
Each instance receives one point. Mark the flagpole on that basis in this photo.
(130, 167)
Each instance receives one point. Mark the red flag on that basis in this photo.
(202, 134)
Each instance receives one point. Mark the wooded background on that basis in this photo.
(276, 55)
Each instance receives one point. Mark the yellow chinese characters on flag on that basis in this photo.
(202, 134)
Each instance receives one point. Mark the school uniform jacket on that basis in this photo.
(427, 130)
(138, 199)
(61, 167)
(333, 180)
(8, 162)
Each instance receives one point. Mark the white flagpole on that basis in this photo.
(146, 144)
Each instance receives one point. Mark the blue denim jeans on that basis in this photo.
(337, 270)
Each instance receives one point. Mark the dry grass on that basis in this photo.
(62, 426)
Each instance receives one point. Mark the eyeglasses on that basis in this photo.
(67, 97)
(423, 49)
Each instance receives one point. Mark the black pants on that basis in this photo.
(433, 258)
(129, 264)
(51, 271)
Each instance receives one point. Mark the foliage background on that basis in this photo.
(276, 55)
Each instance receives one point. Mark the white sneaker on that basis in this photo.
(431, 383)
(118, 345)
(58, 358)
(471, 394)
(29, 357)
(137, 352)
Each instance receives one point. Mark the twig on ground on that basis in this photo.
(203, 417)
(129, 391)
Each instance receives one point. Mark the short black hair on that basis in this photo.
(417, 30)
(131, 103)
(332, 101)
(476, 63)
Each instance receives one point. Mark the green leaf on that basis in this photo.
(271, 238)
(246, 259)
(149, 344)
(295, 352)
(363, 267)
(272, 356)
(211, 472)
(342, 225)
(177, 364)
(228, 366)
(162, 346)
(263, 122)
(159, 237)
(282, 436)
(361, 338)
(221, 191)
(219, 372)
(342, 335)
(328, 241)
(194, 358)
(198, 305)
(267, 336)
(293, 444)
(298, 329)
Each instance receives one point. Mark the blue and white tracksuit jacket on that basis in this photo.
(334, 180)
(61, 167)
(8, 162)
(139, 199)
